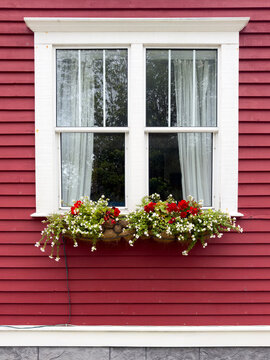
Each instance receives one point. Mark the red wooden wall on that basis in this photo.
(225, 284)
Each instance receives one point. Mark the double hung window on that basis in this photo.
(129, 107)
(91, 92)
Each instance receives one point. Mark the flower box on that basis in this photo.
(184, 222)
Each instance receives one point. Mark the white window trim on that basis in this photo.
(136, 336)
(136, 34)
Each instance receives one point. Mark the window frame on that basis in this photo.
(137, 35)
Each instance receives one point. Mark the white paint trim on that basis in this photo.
(228, 24)
(175, 129)
(137, 336)
(137, 35)
(93, 129)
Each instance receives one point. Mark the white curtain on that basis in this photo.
(195, 149)
(75, 107)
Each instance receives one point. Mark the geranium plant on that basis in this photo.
(185, 222)
(85, 219)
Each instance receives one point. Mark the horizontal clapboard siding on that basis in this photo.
(152, 284)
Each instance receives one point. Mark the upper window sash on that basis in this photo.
(181, 87)
(91, 87)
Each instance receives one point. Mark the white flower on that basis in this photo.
(51, 257)
(37, 244)
(57, 258)
(42, 249)
(75, 244)
(93, 248)
(220, 235)
(185, 253)
(204, 245)
(130, 242)
(52, 244)
(240, 229)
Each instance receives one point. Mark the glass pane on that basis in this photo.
(81, 89)
(193, 87)
(93, 165)
(206, 88)
(157, 88)
(181, 165)
(91, 88)
(67, 87)
(182, 88)
(116, 87)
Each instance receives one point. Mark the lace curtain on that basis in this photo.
(75, 107)
(195, 149)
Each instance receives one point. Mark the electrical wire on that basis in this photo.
(68, 323)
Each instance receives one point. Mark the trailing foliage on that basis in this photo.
(184, 221)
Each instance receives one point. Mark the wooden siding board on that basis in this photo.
(123, 261)
(254, 65)
(22, 90)
(133, 4)
(254, 90)
(213, 250)
(10, 152)
(113, 285)
(11, 177)
(147, 297)
(16, 54)
(17, 14)
(135, 274)
(17, 78)
(17, 189)
(17, 128)
(251, 53)
(136, 285)
(254, 128)
(246, 77)
(254, 153)
(250, 140)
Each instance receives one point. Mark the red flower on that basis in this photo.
(172, 207)
(183, 204)
(116, 211)
(193, 211)
(171, 221)
(74, 210)
(78, 204)
(183, 214)
(150, 207)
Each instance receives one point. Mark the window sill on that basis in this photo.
(124, 211)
